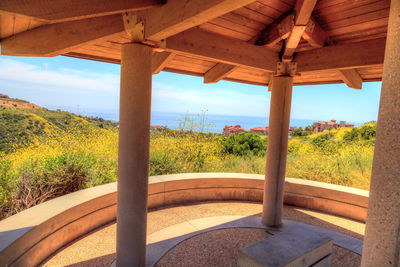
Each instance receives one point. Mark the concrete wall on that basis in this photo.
(29, 237)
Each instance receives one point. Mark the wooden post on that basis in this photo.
(382, 233)
(133, 154)
(278, 131)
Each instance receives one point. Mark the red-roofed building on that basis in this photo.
(321, 126)
(260, 130)
(228, 129)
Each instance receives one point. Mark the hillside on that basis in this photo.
(6, 101)
(18, 125)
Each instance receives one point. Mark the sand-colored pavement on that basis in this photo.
(215, 248)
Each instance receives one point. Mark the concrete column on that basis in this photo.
(133, 154)
(281, 99)
(382, 234)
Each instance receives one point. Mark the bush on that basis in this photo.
(352, 135)
(243, 144)
(162, 163)
(368, 131)
(322, 139)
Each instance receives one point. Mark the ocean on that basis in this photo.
(210, 122)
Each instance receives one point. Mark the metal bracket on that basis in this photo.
(134, 27)
(310, 26)
(286, 69)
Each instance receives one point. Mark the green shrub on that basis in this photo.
(162, 163)
(322, 139)
(352, 135)
(242, 144)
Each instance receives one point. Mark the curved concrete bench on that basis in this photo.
(29, 237)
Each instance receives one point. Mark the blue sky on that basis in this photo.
(70, 83)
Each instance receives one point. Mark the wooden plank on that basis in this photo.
(210, 27)
(303, 10)
(254, 15)
(359, 27)
(218, 72)
(222, 49)
(266, 10)
(160, 60)
(234, 26)
(356, 15)
(277, 4)
(314, 34)
(177, 15)
(66, 10)
(358, 6)
(245, 21)
(352, 78)
(56, 39)
(344, 56)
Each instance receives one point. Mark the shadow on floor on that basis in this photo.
(105, 261)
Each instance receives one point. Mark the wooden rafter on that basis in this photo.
(351, 78)
(177, 15)
(218, 72)
(345, 56)
(160, 60)
(60, 38)
(303, 10)
(214, 47)
(65, 10)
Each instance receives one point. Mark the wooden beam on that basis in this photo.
(214, 47)
(314, 34)
(293, 41)
(60, 38)
(218, 72)
(275, 32)
(160, 60)
(352, 78)
(303, 10)
(57, 39)
(346, 56)
(52, 11)
(177, 15)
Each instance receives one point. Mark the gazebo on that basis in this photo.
(264, 42)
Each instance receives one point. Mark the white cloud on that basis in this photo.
(218, 101)
(56, 86)
(16, 71)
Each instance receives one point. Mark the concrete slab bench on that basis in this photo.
(299, 247)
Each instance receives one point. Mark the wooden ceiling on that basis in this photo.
(332, 41)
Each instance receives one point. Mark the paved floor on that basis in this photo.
(98, 249)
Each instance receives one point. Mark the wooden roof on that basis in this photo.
(332, 41)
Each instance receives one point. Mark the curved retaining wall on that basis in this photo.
(29, 237)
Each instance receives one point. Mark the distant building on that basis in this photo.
(4, 96)
(321, 126)
(260, 130)
(157, 128)
(232, 129)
